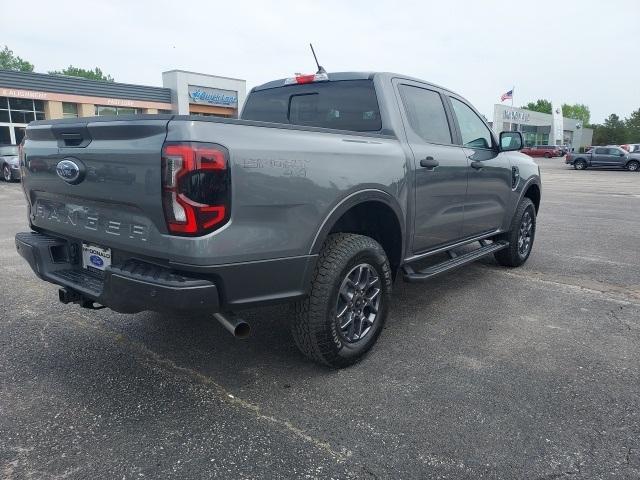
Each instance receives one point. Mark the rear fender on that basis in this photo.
(351, 201)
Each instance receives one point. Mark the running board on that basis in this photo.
(410, 275)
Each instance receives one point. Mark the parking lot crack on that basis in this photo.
(228, 397)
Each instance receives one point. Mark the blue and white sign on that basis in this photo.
(213, 96)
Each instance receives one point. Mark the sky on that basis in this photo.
(566, 51)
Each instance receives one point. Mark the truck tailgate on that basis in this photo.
(118, 197)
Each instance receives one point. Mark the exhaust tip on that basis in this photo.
(234, 325)
(242, 330)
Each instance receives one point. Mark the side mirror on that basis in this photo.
(510, 141)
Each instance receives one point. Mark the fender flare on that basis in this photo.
(531, 181)
(351, 201)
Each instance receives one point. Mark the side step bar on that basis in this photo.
(410, 275)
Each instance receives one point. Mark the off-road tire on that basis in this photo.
(512, 256)
(314, 325)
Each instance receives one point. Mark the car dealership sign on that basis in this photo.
(515, 116)
(213, 96)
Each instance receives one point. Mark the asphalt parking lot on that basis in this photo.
(482, 373)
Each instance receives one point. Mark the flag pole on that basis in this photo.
(513, 89)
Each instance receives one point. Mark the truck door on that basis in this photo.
(617, 157)
(440, 166)
(489, 189)
(600, 157)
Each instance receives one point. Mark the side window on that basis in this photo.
(474, 132)
(426, 114)
(615, 151)
(601, 151)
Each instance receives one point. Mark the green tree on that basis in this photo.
(612, 132)
(95, 74)
(541, 105)
(633, 127)
(9, 61)
(577, 111)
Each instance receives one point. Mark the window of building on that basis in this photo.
(69, 110)
(475, 133)
(426, 114)
(109, 110)
(20, 110)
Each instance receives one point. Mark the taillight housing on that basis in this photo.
(196, 187)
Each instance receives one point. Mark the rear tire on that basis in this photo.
(633, 166)
(547, 155)
(342, 302)
(580, 165)
(520, 236)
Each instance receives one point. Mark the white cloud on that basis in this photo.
(574, 51)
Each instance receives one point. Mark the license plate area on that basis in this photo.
(95, 258)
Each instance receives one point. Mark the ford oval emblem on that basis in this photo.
(96, 260)
(69, 171)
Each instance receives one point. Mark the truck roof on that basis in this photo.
(335, 76)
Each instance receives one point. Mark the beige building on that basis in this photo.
(28, 96)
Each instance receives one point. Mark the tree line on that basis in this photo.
(613, 131)
(10, 61)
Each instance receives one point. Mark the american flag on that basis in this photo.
(506, 96)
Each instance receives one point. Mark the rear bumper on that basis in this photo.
(131, 287)
(134, 285)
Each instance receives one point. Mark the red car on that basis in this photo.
(547, 151)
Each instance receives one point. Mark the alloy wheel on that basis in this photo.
(6, 173)
(525, 234)
(358, 302)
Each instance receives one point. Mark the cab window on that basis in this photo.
(426, 115)
(475, 133)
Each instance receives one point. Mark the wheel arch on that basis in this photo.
(532, 192)
(372, 212)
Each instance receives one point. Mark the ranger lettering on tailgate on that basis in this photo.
(83, 217)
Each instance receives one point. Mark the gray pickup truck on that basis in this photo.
(604, 157)
(326, 189)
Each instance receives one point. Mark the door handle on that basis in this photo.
(429, 162)
(477, 165)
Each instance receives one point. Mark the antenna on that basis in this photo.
(320, 69)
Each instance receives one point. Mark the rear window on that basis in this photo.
(343, 105)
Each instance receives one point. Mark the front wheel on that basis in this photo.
(345, 311)
(633, 166)
(580, 165)
(6, 173)
(547, 155)
(520, 236)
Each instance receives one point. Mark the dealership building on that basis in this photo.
(542, 128)
(28, 96)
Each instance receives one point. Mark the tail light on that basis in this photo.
(196, 187)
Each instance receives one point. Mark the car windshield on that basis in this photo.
(7, 150)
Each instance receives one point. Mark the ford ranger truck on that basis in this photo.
(328, 188)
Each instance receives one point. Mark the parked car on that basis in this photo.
(326, 189)
(604, 157)
(546, 151)
(9, 163)
(564, 149)
(631, 147)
